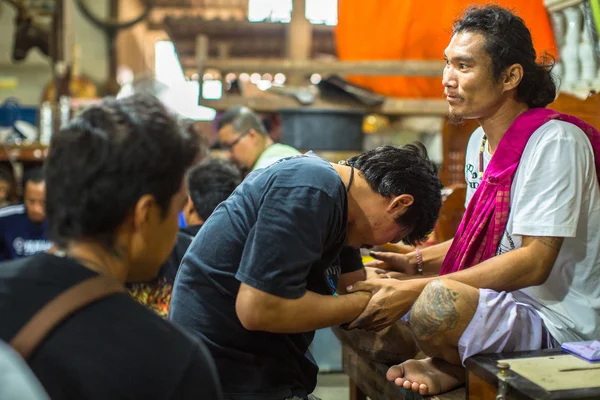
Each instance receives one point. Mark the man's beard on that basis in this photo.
(455, 119)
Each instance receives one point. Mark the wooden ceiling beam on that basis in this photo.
(391, 106)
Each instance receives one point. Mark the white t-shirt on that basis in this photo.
(274, 152)
(555, 192)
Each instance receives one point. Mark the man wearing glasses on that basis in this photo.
(243, 135)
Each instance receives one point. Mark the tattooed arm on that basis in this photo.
(529, 265)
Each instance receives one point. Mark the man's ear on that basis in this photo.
(142, 213)
(188, 209)
(254, 134)
(512, 76)
(400, 203)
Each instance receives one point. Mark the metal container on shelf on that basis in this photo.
(322, 129)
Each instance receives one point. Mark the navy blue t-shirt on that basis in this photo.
(19, 237)
(282, 231)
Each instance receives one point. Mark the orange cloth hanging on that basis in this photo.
(417, 30)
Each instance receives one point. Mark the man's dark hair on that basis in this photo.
(105, 159)
(242, 119)
(393, 171)
(210, 183)
(508, 42)
(189, 125)
(35, 175)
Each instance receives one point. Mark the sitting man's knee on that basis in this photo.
(434, 314)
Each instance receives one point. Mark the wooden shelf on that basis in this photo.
(28, 153)
(379, 68)
(38, 153)
(391, 106)
(558, 5)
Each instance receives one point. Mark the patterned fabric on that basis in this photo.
(485, 218)
(155, 295)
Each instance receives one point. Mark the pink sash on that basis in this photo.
(485, 218)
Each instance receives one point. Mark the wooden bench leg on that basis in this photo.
(355, 392)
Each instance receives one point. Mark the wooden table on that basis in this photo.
(367, 379)
(482, 379)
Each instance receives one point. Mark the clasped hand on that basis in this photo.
(390, 300)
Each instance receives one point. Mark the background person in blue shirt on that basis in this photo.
(23, 226)
(259, 277)
(8, 195)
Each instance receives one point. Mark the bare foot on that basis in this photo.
(427, 377)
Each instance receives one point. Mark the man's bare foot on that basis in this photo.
(427, 377)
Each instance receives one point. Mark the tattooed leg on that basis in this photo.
(440, 316)
(438, 319)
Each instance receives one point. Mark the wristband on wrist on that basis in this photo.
(419, 261)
